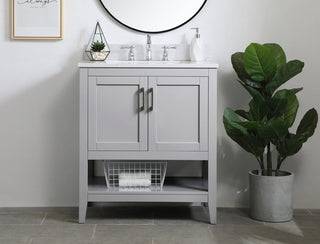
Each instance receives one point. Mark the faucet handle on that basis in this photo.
(165, 52)
(128, 47)
(131, 53)
(169, 47)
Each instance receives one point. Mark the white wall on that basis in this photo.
(39, 95)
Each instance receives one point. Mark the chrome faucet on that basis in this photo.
(148, 49)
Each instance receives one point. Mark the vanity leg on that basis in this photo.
(83, 190)
(212, 155)
(83, 147)
(212, 213)
(212, 205)
(82, 212)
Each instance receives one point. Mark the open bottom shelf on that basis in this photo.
(177, 189)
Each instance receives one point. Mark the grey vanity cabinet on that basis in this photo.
(148, 112)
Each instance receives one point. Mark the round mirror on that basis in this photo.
(153, 16)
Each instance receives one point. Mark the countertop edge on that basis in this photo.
(190, 65)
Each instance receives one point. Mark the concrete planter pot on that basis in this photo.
(271, 196)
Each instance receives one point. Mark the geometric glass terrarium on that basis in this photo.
(97, 48)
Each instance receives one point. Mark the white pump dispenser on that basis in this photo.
(196, 52)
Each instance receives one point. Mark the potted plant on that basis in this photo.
(97, 51)
(263, 130)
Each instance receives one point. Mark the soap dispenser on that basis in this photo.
(196, 52)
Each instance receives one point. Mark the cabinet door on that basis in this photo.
(117, 118)
(178, 110)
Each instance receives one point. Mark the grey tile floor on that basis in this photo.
(152, 225)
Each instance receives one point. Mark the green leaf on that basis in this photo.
(259, 62)
(307, 125)
(252, 144)
(278, 103)
(278, 106)
(296, 90)
(238, 66)
(243, 114)
(275, 129)
(264, 120)
(277, 52)
(240, 134)
(293, 143)
(290, 112)
(258, 108)
(232, 128)
(289, 146)
(252, 91)
(283, 74)
(252, 84)
(250, 125)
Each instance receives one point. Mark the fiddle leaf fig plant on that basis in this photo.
(261, 70)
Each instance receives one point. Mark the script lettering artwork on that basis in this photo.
(36, 3)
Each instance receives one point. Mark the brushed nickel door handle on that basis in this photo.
(151, 92)
(141, 91)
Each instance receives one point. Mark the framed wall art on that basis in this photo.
(36, 19)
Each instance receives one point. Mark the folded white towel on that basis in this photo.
(134, 182)
(133, 176)
(134, 189)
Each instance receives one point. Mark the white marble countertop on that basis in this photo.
(148, 64)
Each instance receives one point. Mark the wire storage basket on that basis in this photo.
(135, 176)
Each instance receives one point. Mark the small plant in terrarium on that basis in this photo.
(97, 46)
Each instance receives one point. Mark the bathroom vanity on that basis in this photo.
(148, 110)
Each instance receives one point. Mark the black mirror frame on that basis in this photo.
(153, 32)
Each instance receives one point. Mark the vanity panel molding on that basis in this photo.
(179, 119)
(115, 119)
(148, 111)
